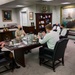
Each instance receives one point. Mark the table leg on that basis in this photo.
(19, 57)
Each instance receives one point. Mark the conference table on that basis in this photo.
(19, 51)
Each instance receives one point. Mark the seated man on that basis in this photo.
(9, 54)
(42, 33)
(19, 33)
(50, 38)
(56, 27)
(63, 32)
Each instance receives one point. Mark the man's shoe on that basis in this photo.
(17, 67)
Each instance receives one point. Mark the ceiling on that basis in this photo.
(5, 1)
(25, 3)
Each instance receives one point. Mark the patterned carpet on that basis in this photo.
(33, 67)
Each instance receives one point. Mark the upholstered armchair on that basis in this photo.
(57, 55)
(4, 62)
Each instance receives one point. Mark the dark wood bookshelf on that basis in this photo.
(42, 19)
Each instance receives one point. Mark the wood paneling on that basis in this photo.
(7, 35)
(29, 29)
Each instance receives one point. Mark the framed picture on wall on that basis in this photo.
(68, 15)
(31, 15)
(7, 15)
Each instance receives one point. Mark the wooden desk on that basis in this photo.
(19, 52)
(7, 35)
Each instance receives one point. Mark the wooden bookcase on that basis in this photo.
(43, 19)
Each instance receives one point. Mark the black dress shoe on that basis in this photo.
(29, 51)
(17, 67)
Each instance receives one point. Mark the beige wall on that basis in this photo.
(55, 10)
(16, 14)
(55, 14)
(14, 19)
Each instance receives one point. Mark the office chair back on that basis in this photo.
(60, 49)
(66, 36)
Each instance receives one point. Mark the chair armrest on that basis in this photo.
(1, 55)
(48, 49)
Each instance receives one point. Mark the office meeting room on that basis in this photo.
(37, 37)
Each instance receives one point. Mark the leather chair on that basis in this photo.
(4, 62)
(66, 35)
(56, 55)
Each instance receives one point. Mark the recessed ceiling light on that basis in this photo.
(19, 5)
(66, 3)
(47, 0)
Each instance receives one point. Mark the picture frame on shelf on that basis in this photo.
(31, 15)
(7, 15)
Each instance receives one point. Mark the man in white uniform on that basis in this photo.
(63, 32)
(56, 27)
